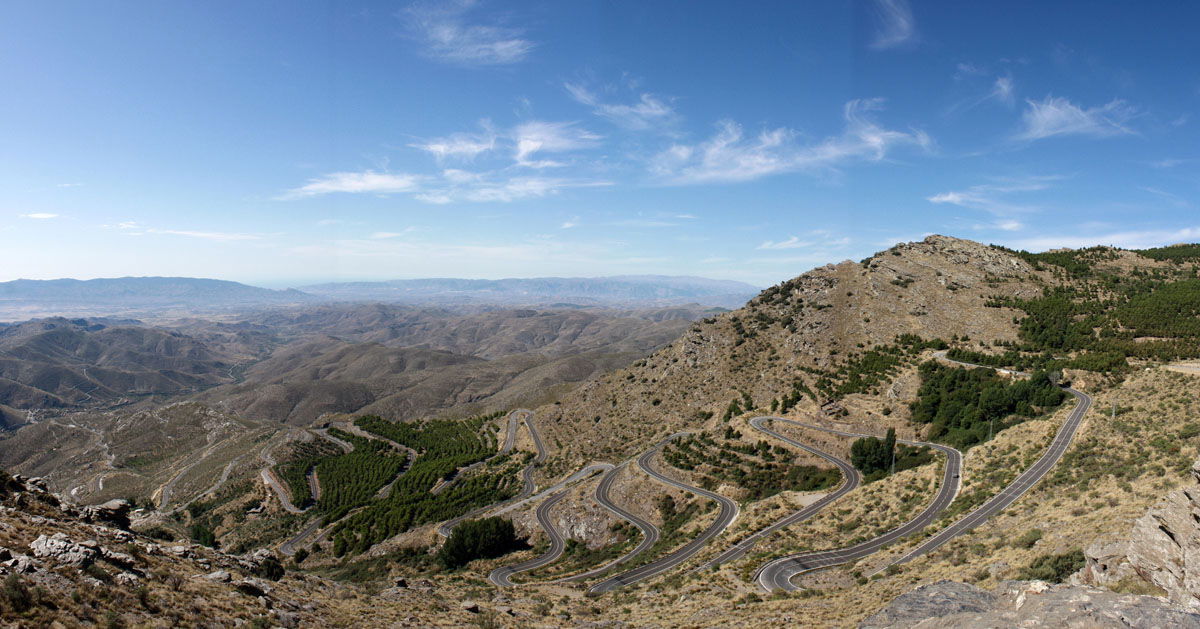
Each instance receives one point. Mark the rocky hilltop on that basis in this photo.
(939, 287)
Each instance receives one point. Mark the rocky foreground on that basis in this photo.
(1160, 556)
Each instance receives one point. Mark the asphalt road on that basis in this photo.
(502, 576)
(729, 511)
(851, 480)
(778, 574)
(650, 533)
(526, 474)
(1014, 490)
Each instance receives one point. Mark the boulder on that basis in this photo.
(62, 550)
(946, 605)
(1163, 549)
(127, 579)
(114, 512)
(253, 587)
(220, 576)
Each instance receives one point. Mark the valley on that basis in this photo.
(940, 410)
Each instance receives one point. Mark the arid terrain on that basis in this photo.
(317, 464)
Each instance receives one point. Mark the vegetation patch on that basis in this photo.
(967, 406)
(761, 469)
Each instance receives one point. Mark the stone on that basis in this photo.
(469, 606)
(62, 550)
(114, 512)
(128, 579)
(253, 587)
(951, 605)
(1163, 549)
(935, 600)
(219, 576)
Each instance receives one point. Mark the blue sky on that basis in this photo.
(280, 143)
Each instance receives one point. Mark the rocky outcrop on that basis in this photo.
(113, 513)
(952, 605)
(1163, 549)
(62, 550)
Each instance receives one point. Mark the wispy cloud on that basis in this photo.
(1127, 239)
(1003, 90)
(465, 146)
(729, 156)
(355, 183)
(648, 112)
(538, 136)
(41, 216)
(571, 222)
(791, 243)
(1168, 163)
(895, 25)
(447, 36)
(1170, 197)
(990, 197)
(217, 236)
(1058, 116)
(68, 185)
(386, 235)
(486, 189)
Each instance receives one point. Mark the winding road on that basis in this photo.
(850, 481)
(1015, 489)
(778, 574)
(650, 533)
(729, 511)
(502, 576)
(526, 474)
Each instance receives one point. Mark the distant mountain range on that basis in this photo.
(29, 298)
(142, 291)
(616, 290)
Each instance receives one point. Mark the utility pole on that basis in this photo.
(893, 459)
(991, 428)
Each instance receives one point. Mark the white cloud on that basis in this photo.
(1003, 90)
(465, 146)
(68, 185)
(990, 198)
(386, 235)
(1009, 225)
(1128, 239)
(217, 236)
(448, 37)
(689, 217)
(648, 112)
(1058, 116)
(895, 25)
(1171, 197)
(571, 222)
(39, 215)
(791, 243)
(731, 157)
(1168, 163)
(367, 181)
(537, 136)
(483, 189)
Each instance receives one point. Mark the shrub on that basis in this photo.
(17, 594)
(478, 539)
(1030, 538)
(270, 568)
(1054, 568)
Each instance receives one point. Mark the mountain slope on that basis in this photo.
(800, 331)
(61, 363)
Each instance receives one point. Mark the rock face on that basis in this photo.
(951, 605)
(114, 513)
(1163, 549)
